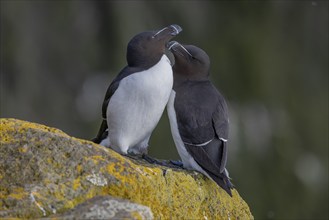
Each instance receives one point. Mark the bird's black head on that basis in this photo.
(191, 62)
(146, 49)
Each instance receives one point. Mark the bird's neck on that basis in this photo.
(144, 62)
(180, 79)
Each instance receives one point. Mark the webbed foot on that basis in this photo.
(153, 160)
(177, 163)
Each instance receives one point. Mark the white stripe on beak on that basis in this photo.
(173, 26)
(160, 32)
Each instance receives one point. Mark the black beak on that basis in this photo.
(174, 46)
(175, 28)
(168, 32)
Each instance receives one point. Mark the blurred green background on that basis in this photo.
(269, 59)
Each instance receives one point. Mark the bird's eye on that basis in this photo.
(194, 58)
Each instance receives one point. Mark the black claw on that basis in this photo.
(152, 160)
(133, 156)
(177, 163)
(164, 172)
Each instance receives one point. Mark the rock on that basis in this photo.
(106, 207)
(43, 172)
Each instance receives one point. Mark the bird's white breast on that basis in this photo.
(137, 105)
(187, 159)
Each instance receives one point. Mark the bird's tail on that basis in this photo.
(223, 181)
(228, 179)
(102, 133)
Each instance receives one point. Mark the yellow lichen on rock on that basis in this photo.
(44, 171)
(18, 193)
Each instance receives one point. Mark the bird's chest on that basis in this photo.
(152, 84)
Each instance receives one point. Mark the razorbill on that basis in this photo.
(198, 115)
(137, 97)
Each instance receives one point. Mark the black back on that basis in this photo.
(201, 113)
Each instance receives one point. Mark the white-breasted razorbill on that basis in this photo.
(137, 97)
(198, 115)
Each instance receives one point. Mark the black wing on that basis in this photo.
(201, 112)
(221, 125)
(102, 133)
(203, 125)
(194, 106)
(208, 159)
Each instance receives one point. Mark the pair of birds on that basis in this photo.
(161, 73)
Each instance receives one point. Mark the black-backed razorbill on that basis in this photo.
(198, 115)
(137, 97)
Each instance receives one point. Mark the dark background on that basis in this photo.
(269, 59)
